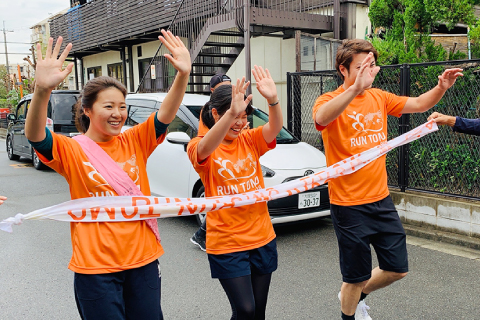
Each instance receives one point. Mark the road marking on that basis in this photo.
(452, 249)
(23, 165)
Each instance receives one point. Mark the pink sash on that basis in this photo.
(112, 173)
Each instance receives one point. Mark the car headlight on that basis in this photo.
(267, 172)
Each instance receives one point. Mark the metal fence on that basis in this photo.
(443, 162)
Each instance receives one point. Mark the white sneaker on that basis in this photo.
(362, 310)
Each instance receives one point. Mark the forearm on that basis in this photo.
(173, 99)
(275, 123)
(425, 101)
(333, 108)
(468, 126)
(214, 136)
(37, 115)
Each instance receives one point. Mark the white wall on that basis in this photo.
(275, 54)
(363, 23)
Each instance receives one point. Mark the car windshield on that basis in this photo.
(63, 106)
(256, 119)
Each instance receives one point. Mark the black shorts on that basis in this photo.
(358, 227)
(262, 260)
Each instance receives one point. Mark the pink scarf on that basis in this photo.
(112, 173)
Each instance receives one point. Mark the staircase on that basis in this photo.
(215, 49)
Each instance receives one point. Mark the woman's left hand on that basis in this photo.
(265, 84)
(179, 57)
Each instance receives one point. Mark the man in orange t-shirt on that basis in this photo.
(353, 119)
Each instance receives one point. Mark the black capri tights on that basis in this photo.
(248, 295)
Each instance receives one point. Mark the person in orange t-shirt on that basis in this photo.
(353, 119)
(117, 274)
(240, 244)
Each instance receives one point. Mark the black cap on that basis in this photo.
(218, 78)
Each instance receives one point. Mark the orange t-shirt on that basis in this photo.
(361, 126)
(233, 169)
(105, 247)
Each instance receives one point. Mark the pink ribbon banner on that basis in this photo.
(131, 208)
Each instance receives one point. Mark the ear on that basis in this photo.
(343, 70)
(215, 115)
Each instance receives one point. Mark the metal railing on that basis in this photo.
(443, 162)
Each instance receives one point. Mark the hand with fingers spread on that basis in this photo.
(239, 102)
(265, 84)
(448, 78)
(367, 73)
(179, 57)
(49, 72)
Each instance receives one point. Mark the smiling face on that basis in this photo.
(107, 115)
(239, 123)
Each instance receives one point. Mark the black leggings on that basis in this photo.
(248, 295)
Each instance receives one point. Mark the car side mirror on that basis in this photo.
(178, 138)
(11, 117)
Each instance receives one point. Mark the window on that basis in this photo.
(138, 114)
(21, 110)
(94, 72)
(178, 125)
(116, 71)
(139, 51)
(305, 51)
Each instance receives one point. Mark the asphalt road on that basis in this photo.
(36, 284)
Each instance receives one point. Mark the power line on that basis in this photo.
(15, 53)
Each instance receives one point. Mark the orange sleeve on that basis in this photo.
(193, 155)
(394, 103)
(256, 136)
(60, 151)
(324, 98)
(144, 135)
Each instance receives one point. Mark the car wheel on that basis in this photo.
(37, 164)
(10, 153)
(201, 216)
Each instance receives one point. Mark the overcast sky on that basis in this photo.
(19, 16)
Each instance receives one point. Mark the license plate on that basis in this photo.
(308, 200)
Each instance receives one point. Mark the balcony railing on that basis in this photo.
(102, 22)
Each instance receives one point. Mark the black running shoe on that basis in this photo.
(199, 241)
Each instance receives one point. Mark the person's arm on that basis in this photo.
(268, 90)
(180, 59)
(334, 108)
(458, 124)
(430, 98)
(48, 75)
(217, 133)
(2, 198)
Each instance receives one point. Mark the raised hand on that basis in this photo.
(265, 84)
(366, 74)
(179, 57)
(49, 73)
(239, 103)
(448, 78)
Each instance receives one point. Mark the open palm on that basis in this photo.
(49, 71)
(448, 78)
(239, 103)
(179, 57)
(265, 84)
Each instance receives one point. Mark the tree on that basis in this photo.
(407, 25)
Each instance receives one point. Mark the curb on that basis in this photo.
(442, 236)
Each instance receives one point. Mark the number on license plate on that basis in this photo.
(308, 200)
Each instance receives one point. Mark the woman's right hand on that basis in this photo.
(48, 72)
(239, 103)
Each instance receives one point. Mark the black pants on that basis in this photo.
(130, 294)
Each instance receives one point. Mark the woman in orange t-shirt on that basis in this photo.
(115, 263)
(241, 244)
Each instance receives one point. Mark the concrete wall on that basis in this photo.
(439, 212)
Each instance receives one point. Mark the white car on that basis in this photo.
(172, 175)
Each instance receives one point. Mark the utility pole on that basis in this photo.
(6, 54)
